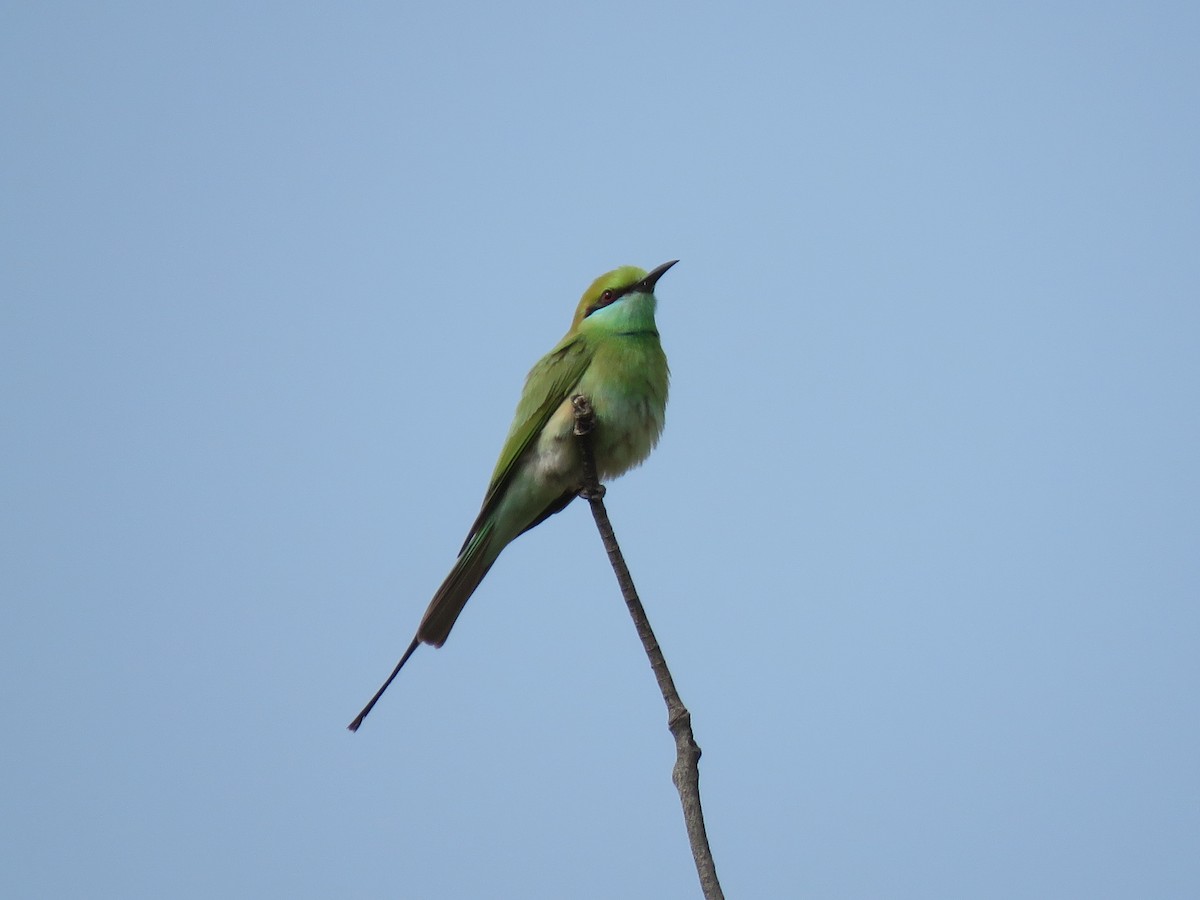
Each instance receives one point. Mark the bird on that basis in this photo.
(611, 355)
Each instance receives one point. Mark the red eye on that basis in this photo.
(606, 296)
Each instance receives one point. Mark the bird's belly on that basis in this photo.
(628, 427)
(555, 458)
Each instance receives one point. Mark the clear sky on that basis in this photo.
(921, 541)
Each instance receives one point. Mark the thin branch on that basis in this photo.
(686, 773)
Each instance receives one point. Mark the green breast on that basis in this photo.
(627, 383)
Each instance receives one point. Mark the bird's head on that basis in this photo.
(619, 296)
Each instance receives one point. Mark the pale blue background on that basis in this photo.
(921, 540)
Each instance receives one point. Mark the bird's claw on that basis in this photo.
(585, 415)
(588, 492)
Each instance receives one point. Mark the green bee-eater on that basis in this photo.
(612, 356)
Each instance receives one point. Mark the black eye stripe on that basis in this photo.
(609, 297)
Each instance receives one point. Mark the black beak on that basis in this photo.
(646, 285)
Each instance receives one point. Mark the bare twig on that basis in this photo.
(686, 773)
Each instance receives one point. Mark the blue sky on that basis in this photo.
(920, 541)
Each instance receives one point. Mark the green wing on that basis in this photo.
(549, 382)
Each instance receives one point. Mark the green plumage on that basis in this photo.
(612, 355)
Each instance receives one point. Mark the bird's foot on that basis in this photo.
(585, 415)
(590, 492)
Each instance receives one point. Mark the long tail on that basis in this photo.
(358, 720)
(473, 563)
